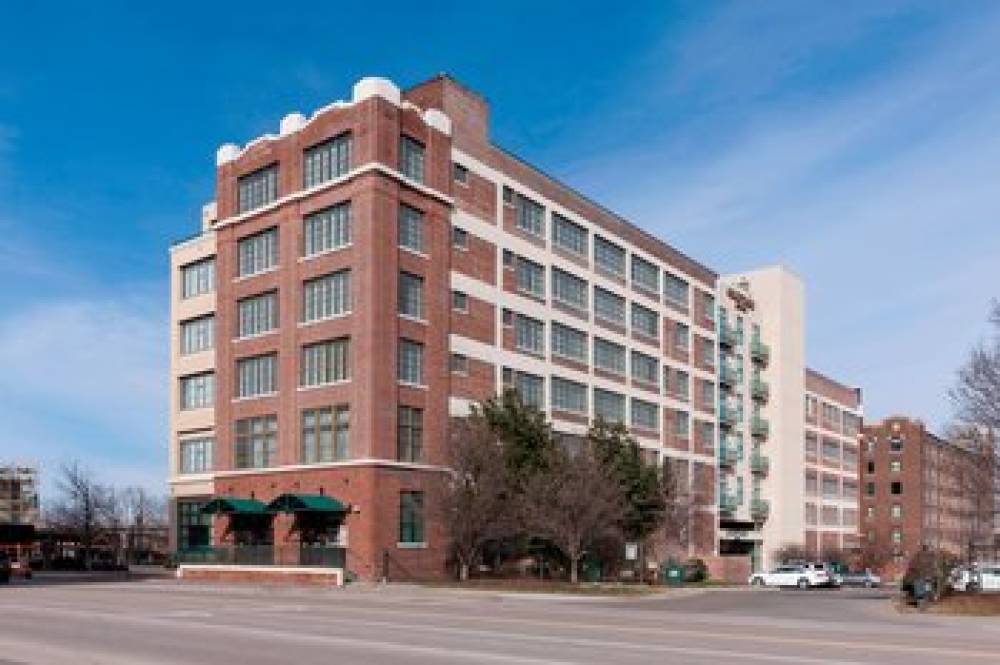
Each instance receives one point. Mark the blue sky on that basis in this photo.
(857, 143)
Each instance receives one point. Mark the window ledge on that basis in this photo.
(306, 324)
(325, 252)
(266, 271)
(414, 319)
(407, 384)
(253, 397)
(323, 385)
(415, 252)
(259, 335)
(412, 546)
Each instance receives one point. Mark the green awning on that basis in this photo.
(306, 503)
(225, 505)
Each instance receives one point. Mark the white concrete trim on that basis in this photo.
(364, 461)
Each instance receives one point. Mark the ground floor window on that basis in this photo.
(411, 517)
(194, 530)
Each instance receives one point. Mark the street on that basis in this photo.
(161, 621)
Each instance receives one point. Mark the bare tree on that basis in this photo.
(476, 501)
(679, 519)
(83, 508)
(977, 393)
(976, 475)
(139, 514)
(873, 555)
(575, 505)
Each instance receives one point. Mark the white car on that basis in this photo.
(985, 578)
(803, 577)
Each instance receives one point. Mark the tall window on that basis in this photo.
(198, 278)
(197, 335)
(325, 434)
(682, 384)
(257, 315)
(257, 189)
(569, 289)
(327, 160)
(645, 415)
(609, 406)
(410, 434)
(411, 228)
(682, 424)
(708, 393)
(529, 334)
(411, 158)
(609, 356)
(327, 296)
(569, 396)
(530, 277)
(197, 391)
(609, 306)
(708, 351)
(327, 230)
(645, 321)
(196, 455)
(530, 388)
(411, 362)
(645, 275)
(256, 442)
(411, 518)
(194, 528)
(326, 362)
(645, 368)
(675, 290)
(682, 337)
(530, 215)
(257, 375)
(258, 252)
(411, 295)
(569, 342)
(569, 235)
(609, 256)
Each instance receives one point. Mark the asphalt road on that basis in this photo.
(159, 622)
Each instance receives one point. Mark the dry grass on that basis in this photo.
(969, 604)
(527, 585)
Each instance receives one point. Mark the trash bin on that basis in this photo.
(672, 574)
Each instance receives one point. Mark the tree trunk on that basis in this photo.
(463, 571)
(574, 566)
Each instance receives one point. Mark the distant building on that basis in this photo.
(18, 494)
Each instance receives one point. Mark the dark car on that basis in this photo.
(865, 578)
(4, 568)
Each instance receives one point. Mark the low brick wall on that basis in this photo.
(333, 577)
(732, 569)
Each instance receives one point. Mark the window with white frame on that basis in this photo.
(257, 315)
(326, 297)
(609, 356)
(645, 321)
(325, 434)
(196, 455)
(409, 434)
(327, 230)
(326, 362)
(569, 290)
(197, 391)
(682, 385)
(529, 215)
(645, 415)
(326, 161)
(529, 334)
(256, 443)
(198, 278)
(609, 257)
(645, 275)
(197, 335)
(682, 424)
(682, 337)
(411, 158)
(411, 228)
(608, 306)
(569, 396)
(257, 253)
(569, 235)
(530, 388)
(411, 295)
(609, 406)
(530, 277)
(411, 362)
(645, 368)
(459, 301)
(257, 375)
(676, 290)
(257, 189)
(569, 342)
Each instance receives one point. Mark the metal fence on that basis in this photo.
(305, 554)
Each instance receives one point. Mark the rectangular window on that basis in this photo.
(197, 391)
(569, 289)
(198, 278)
(326, 362)
(459, 238)
(569, 235)
(411, 229)
(410, 434)
(257, 189)
(459, 301)
(676, 290)
(609, 257)
(831, 488)
(530, 388)
(708, 351)
(327, 230)
(197, 335)
(256, 442)
(645, 368)
(831, 450)
(645, 415)
(530, 277)
(896, 488)
(645, 321)
(682, 424)
(459, 173)
(645, 275)
(609, 356)
(257, 253)
(683, 385)
(325, 434)
(529, 334)
(326, 161)
(194, 528)
(257, 375)
(812, 484)
(569, 396)
(458, 364)
(812, 446)
(569, 342)
(411, 518)
(609, 406)
(609, 306)
(708, 393)
(196, 455)
(326, 297)
(530, 216)
(895, 466)
(257, 315)
(411, 362)
(411, 295)
(411, 158)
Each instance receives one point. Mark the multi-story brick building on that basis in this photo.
(375, 269)
(923, 491)
(18, 494)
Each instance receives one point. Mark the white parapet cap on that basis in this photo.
(370, 86)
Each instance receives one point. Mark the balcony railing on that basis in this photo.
(760, 390)
(760, 509)
(728, 336)
(727, 502)
(760, 464)
(727, 415)
(760, 351)
(325, 556)
(727, 375)
(729, 453)
(760, 428)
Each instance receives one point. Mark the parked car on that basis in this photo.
(960, 578)
(985, 578)
(834, 579)
(865, 578)
(20, 569)
(4, 568)
(800, 576)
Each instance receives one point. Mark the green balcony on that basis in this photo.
(729, 452)
(727, 501)
(760, 509)
(760, 428)
(728, 336)
(727, 375)
(760, 351)
(760, 464)
(727, 416)
(760, 390)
